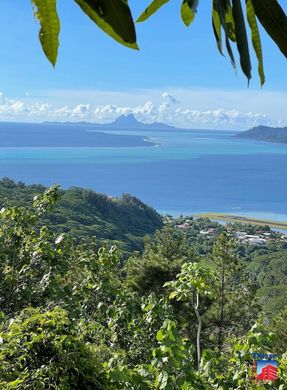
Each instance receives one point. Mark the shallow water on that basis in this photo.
(186, 173)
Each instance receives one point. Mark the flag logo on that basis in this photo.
(266, 370)
(265, 367)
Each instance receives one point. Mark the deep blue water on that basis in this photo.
(58, 135)
(188, 172)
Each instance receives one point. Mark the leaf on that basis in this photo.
(188, 11)
(113, 17)
(274, 21)
(172, 295)
(241, 38)
(256, 42)
(151, 9)
(216, 25)
(159, 335)
(222, 11)
(230, 25)
(163, 380)
(45, 12)
(15, 383)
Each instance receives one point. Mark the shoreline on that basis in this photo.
(242, 219)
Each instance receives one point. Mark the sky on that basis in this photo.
(177, 77)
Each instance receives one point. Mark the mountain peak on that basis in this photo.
(129, 121)
(126, 120)
(123, 122)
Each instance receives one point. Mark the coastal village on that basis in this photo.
(240, 232)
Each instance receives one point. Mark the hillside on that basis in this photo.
(68, 311)
(84, 213)
(265, 133)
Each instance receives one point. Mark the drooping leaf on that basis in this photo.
(229, 50)
(256, 42)
(274, 20)
(151, 9)
(188, 11)
(230, 25)
(216, 25)
(113, 17)
(241, 38)
(222, 8)
(45, 12)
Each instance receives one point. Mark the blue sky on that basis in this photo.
(178, 75)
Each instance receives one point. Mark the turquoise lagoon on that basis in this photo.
(186, 172)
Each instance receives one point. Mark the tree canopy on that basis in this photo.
(229, 23)
(72, 318)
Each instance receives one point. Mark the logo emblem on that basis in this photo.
(265, 367)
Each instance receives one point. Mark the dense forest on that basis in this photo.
(186, 311)
(84, 213)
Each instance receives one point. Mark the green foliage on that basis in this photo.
(232, 369)
(274, 20)
(161, 261)
(85, 214)
(154, 6)
(69, 319)
(256, 41)
(92, 280)
(188, 10)
(241, 38)
(235, 306)
(270, 274)
(278, 326)
(172, 358)
(46, 13)
(193, 282)
(270, 15)
(42, 349)
(192, 279)
(29, 256)
(114, 17)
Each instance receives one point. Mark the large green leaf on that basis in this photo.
(113, 17)
(46, 13)
(230, 25)
(255, 39)
(216, 25)
(274, 20)
(221, 6)
(241, 38)
(188, 11)
(151, 9)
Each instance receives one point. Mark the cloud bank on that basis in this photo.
(167, 109)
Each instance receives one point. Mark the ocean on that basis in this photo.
(179, 173)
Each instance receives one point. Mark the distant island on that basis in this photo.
(123, 122)
(265, 133)
(78, 134)
(63, 135)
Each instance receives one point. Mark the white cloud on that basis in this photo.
(169, 99)
(166, 108)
